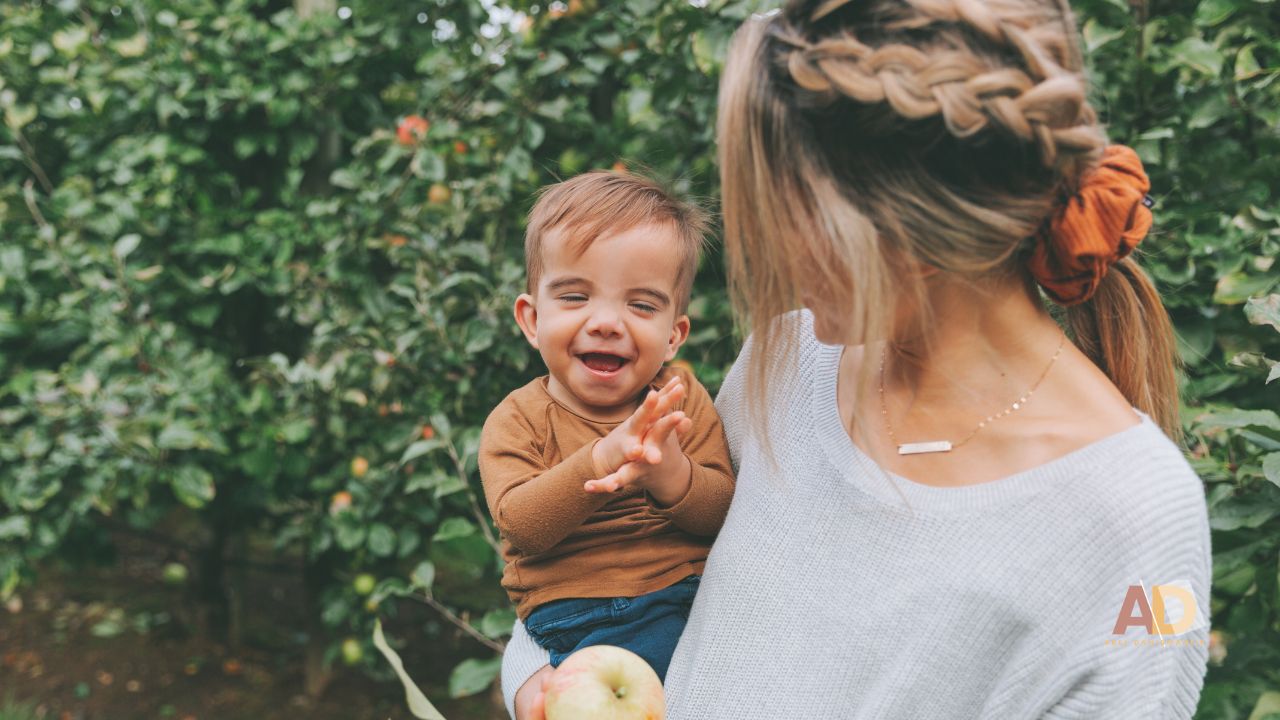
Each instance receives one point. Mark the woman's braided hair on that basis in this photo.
(858, 140)
(989, 66)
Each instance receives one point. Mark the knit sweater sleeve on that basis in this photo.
(730, 403)
(1139, 674)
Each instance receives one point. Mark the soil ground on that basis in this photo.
(116, 643)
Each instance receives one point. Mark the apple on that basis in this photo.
(603, 681)
(340, 501)
(412, 129)
(359, 466)
(352, 653)
(364, 583)
(439, 194)
(175, 573)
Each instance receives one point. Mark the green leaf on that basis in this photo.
(554, 62)
(382, 540)
(1238, 287)
(17, 116)
(1240, 513)
(1240, 419)
(454, 527)
(1271, 467)
(1196, 54)
(498, 623)
(420, 448)
(15, 526)
(1212, 12)
(1268, 704)
(424, 575)
(125, 245)
(413, 696)
(1264, 310)
(178, 435)
(1096, 35)
(1246, 64)
(472, 676)
(193, 486)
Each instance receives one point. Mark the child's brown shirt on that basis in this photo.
(558, 540)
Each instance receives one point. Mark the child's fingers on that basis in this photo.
(684, 426)
(654, 440)
(670, 396)
(615, 481)
(644, 415)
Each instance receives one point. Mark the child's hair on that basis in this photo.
(854, 135)
(587, 206)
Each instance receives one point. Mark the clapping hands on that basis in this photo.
(644, 450)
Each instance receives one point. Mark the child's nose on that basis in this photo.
(605, 322)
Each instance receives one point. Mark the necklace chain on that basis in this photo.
(945, 446)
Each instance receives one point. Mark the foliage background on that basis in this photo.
(232, 301)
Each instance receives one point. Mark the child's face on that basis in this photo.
(605, 321)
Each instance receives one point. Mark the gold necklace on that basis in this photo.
(937, 446)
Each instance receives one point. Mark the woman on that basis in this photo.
(946, 505)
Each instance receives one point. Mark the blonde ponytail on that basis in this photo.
(1125, 329)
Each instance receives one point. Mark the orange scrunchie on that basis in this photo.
(1094, 229)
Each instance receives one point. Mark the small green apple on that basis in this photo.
(175, 573)
(364, 583)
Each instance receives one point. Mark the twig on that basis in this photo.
(475, 505)
(465, 626)
(29, 195)
(30, 154)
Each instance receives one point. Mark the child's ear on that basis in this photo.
(679, 333)
(527, 318)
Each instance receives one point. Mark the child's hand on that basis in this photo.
(662, 462)
(634, 439)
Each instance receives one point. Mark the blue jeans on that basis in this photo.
(647, 625)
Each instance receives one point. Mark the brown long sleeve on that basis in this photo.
(559, 540)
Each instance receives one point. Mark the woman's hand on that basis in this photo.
(535, 709)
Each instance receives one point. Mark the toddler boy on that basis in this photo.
(609, 477)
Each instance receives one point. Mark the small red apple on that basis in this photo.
(412, 129)
(340, 502)
(603, 681)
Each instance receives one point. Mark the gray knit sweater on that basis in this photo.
(830, 593)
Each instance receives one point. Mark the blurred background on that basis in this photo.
(256, 265)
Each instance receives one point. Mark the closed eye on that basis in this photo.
(644, 307)
(572, 298)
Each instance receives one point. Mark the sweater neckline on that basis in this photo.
(860, 470)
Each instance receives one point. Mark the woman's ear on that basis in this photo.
(527, 318)
(679, 333)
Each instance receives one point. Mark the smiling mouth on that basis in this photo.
(603, 363)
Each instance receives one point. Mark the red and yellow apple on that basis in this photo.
(603, 682)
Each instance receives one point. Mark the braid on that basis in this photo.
(1040, 103)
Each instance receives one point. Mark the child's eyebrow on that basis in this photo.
(564, 282)
(657, 295)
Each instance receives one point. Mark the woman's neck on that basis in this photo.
(979, 346)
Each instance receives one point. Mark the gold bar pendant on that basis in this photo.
(925, 447)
